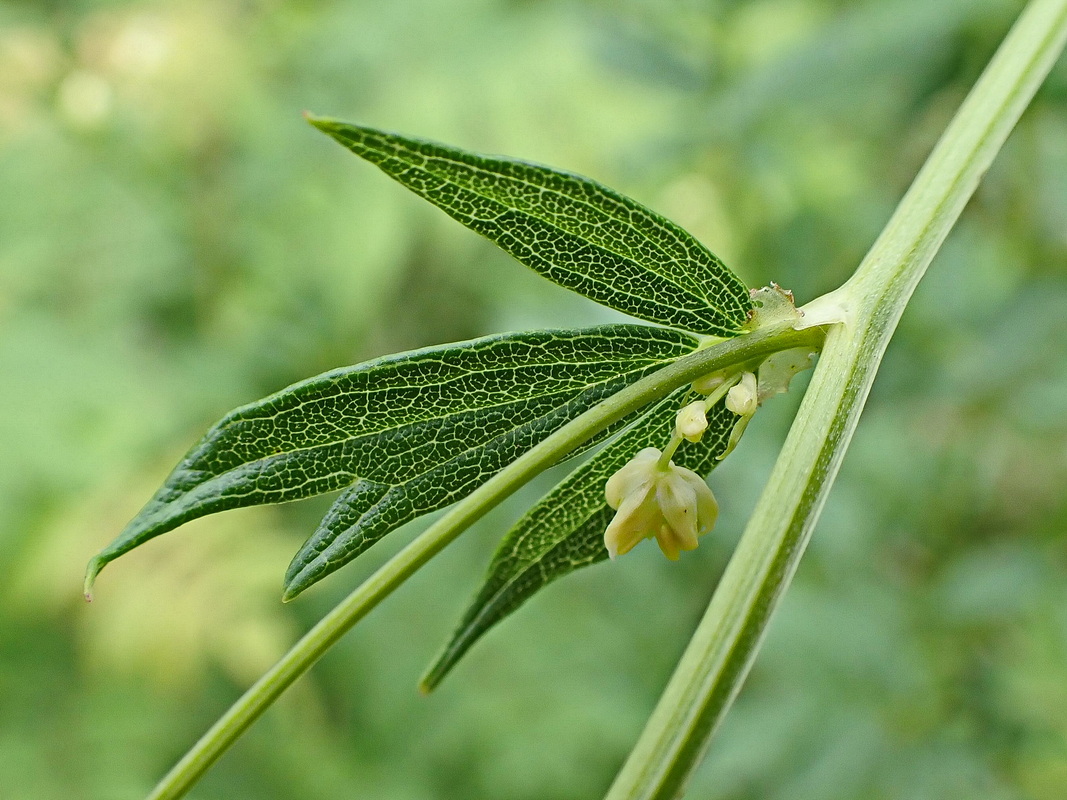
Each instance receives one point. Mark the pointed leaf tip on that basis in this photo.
(322, 123)
(96, 563)
(290, 593)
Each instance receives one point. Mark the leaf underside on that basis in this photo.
(565, 530)
(570, 229)
(408, 434)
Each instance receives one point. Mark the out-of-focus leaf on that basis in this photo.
(410, 433)
(570, 229)
(565, 530)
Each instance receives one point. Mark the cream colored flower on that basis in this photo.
(692, 421)
(742, 398)
(671, 503)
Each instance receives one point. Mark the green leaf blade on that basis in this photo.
(368, 510)
(564, 531)
(429, 425)
(570, 229)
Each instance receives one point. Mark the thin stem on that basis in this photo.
(721, 391)
(718, 657)
(405, 563)
(668, 452)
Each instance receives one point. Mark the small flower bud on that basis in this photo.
(692, 421)
(709, 383)
(674, 504)
(742, 398)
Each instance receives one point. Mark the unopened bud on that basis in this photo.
(692, 421)
(709, 383)
(742, 398)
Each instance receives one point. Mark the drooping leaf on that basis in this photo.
(410, 433)
(565, 530)
(570, 229)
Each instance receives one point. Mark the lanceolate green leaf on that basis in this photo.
(412, 432)
(570, 229)
(565, 530)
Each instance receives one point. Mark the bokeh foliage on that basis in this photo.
(174, 241)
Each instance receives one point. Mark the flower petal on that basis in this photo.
(678, 502)
(638, 471)
(668, 543)
(707, 506)
(638, 518)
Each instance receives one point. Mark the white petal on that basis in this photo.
(778, 370)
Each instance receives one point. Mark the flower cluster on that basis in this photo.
(654, 497)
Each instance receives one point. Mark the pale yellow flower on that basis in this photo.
(742, 398)
(692, 421)
(671, 503)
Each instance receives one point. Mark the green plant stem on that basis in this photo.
(714, 665)
(398, 569)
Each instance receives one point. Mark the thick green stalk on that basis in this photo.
(725, 643)
(378, 586)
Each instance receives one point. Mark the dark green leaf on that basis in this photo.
(565, 530)
(410, 433)
(570, 229)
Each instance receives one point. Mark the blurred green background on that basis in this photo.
(175, 241)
